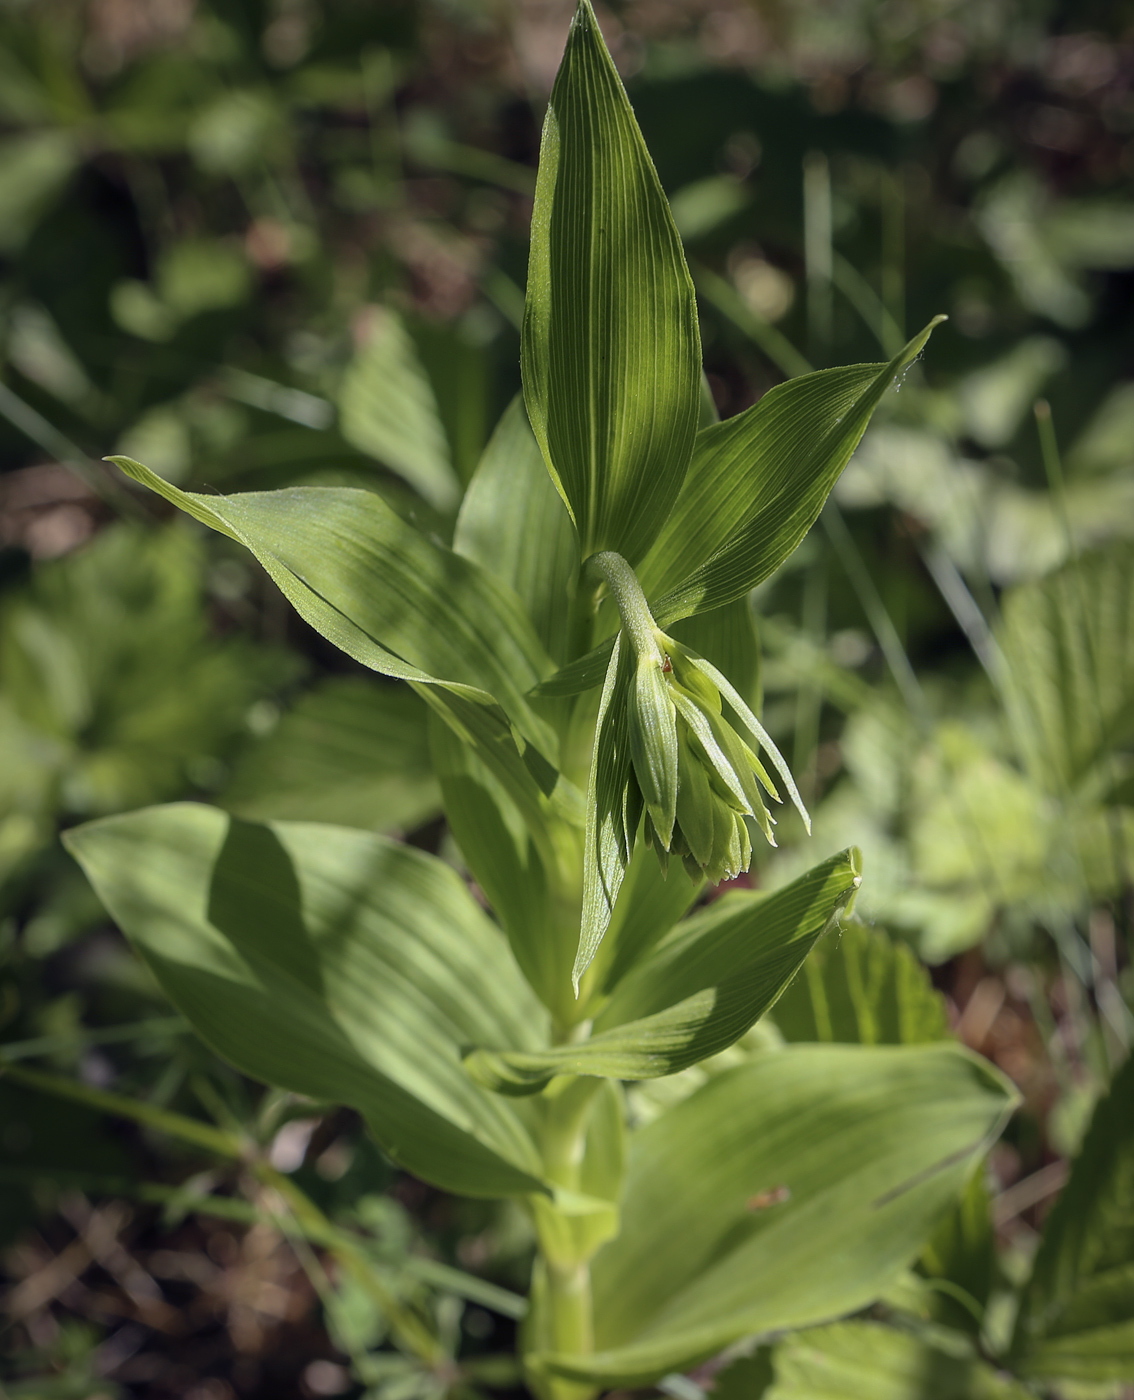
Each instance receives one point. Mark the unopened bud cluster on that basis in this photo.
(698, 776)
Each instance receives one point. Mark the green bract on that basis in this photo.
(486, 1050)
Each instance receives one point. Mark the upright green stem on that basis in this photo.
(565, 1259)
(633, 610)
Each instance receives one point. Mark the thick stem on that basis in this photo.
(633, 610)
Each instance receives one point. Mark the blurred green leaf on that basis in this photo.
(862, 988)
(611, 350)
(350, 752)
(854, 1360)
(819, 1168)
(1076, 1320)
(113, 682)
(1068, 641)
(33, 170)
(389, 410)
(335, 963)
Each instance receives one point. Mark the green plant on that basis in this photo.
(614, 541)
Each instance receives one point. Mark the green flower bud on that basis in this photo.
(694, 776)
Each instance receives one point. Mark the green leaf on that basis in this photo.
(335, 963)
(1069, 643)
(757, 483)
(784, 1192)
(514, 524)
(388, 410)
(611, 353)
(856, 1360)
(382, 592)
(1076, 1320)
(863, 988)
(350, 752)
(609, 844)
(517, 859)
(377, 587)
(700, 990)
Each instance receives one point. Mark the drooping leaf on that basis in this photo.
(387, 596)
(698, 992)
(379, 588)
(388, 410)
(862, 988)
(1076, 1320)
(514, 524)
(611, 353)
(349, 752)
(856, 1360)
(784, 1192)
(335, 963)
(758, 482)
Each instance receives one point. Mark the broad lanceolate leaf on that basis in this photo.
(335, 963)
(352, 751)
(611, 353)
(861, 1360)
(1077, 1316)
(514, 524)
(700, 990)
(398, 603)
(1068, 641)
(784, 1192)
(862, 988)
(757, 483)
(378, 589)
(388, 410)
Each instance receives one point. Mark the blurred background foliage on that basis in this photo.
(258, 243)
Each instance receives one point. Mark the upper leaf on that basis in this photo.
(611, 352)
(758, 482)
(514, 524)
(335, 963)
(1077, 1316)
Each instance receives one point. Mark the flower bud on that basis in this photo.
(693, 775)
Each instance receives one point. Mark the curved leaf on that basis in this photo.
(335, 963)
(381, 591)
(784, 1192)
(611, 352)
